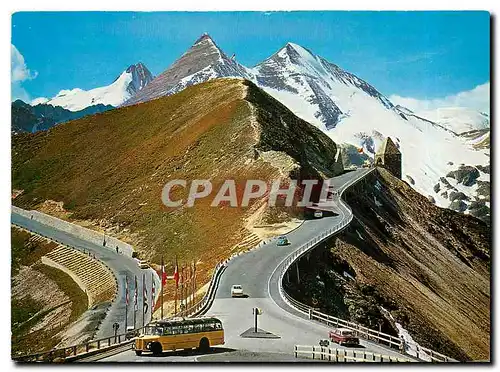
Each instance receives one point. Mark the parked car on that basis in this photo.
(343, 336)
(318, 214)
(143, 264)
(282, 240)
(237, 291)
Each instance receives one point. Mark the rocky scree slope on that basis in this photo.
(428, 267)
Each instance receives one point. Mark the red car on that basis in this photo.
(343, 336)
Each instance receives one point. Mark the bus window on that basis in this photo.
(189, 328)
(167, 331)
(176, 330)
(158, 331)
(198, 327)
(209, 327)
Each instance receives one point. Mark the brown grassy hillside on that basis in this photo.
(111, 168)
(45, 301)
(430, 267)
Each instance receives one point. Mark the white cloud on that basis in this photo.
(19, 73)
(477, 99)
(39, 100)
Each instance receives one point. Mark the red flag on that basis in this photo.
(176, 273)
(163, 273)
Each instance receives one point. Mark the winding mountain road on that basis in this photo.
(258, 271)
(120, 264)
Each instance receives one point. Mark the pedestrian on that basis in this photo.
(402, 345)
(116, 249)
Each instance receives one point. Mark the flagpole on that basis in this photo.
(152, 295)
(162, 280)
(126, 302)
(182, 287)
(144, 299)
(136, 295)
(184, 268)
(176, 278)
(194, 280)
(190, 284)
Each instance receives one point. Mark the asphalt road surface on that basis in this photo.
(258, 273)
(121, 265)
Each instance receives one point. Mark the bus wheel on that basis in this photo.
(156, 348)
(138, 352)
(204, 345)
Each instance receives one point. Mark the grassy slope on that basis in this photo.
(22, 309)
(112, 167)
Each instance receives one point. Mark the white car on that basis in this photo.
(236, 291)
(143, 264)
(318, 214)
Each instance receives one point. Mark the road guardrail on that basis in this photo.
(74, 352)
(422, 353)
(345, 355)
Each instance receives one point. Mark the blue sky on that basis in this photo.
(423, 55)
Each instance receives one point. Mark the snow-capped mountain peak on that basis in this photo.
(458, 119)
(206, 41)
(203, 61)
(129, 82)
(141, 77)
